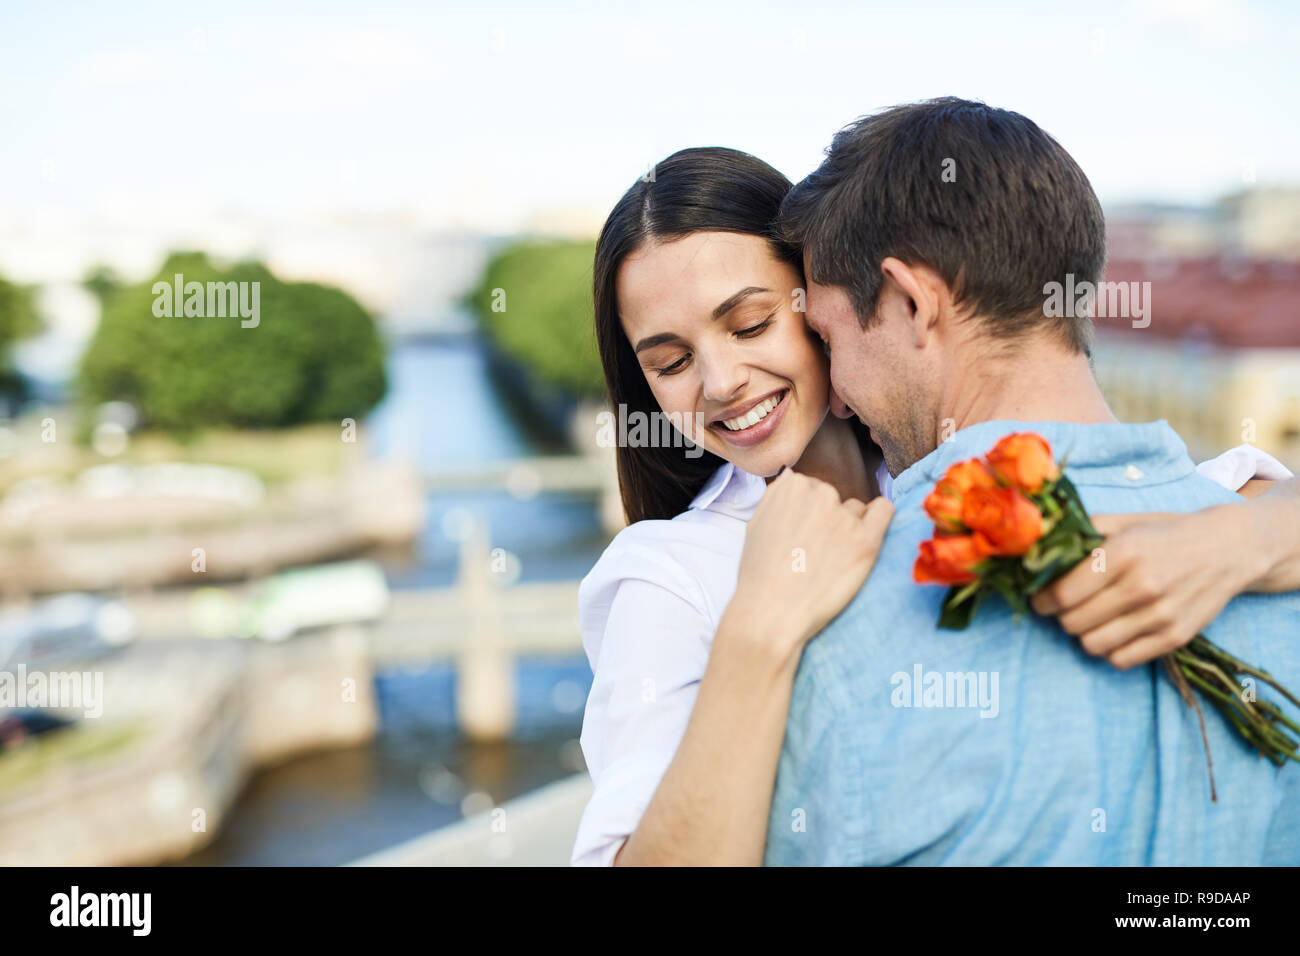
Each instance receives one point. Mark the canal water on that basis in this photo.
(442, 410)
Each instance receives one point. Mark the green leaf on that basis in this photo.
(959, 608)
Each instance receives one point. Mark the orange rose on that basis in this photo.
(1023, 460)
(1009, 521)
(944, 510)
(949, 560)
(943, 505)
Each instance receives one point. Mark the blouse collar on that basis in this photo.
(730, 491)
(734, 492)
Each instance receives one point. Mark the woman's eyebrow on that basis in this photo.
(650, 341)
(736, 299)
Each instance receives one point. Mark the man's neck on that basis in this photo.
(1041, 383)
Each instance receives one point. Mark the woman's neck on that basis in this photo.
(835, 457)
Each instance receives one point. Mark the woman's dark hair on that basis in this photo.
(709, 189)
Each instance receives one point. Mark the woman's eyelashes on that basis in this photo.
(675, 367)
(752, 332)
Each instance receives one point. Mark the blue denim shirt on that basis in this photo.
(1006, 743)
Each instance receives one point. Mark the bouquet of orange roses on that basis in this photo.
(1012, 523)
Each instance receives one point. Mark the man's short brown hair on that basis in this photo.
(981, 195)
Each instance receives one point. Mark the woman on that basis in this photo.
(691, 620)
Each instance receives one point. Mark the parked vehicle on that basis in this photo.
(305, 598)
(66, 627)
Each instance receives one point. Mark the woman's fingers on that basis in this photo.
(1107, 525)
(1144, 649)
(1069, 591)
(855, 507)
(1112, 599)
(1158, 581)
(878, 513)
(1120, 630)
(1089, 578)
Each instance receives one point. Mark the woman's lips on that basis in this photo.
(756, 433)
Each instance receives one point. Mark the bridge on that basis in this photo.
(568, 474)
(592, 476)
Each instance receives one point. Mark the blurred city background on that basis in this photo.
(314, 569)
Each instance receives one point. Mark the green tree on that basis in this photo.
(103, 282)
(18, 317)
(314, 355)
(534, 302)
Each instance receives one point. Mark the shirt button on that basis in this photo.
(1132, 472)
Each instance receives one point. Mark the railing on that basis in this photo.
(573, 474)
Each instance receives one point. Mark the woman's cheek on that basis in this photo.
(673, 399)
(814, 365)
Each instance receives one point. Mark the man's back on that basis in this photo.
(1006, 743)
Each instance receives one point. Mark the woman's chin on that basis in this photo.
(764, 462)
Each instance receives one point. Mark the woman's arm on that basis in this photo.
(806, 554)
(1275, 527)
(1167, 576)
(711, 807)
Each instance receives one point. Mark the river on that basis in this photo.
(418, 774)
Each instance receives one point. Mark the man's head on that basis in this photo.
(929, 233)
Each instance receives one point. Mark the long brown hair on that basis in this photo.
(710, 189)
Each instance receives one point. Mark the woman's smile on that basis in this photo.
(753, 421)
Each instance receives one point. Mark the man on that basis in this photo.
(929, 234)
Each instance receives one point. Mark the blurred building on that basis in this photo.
(1257, 222)
(1220, 355)
(1148, 230)
(1262, 222)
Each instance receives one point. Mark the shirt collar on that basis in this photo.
(1111, 453)
(734, 492)
(730, 491)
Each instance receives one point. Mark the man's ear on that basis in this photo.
(911, 292)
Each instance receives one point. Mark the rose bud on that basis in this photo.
(949, 560)
(1009, 521)
(1023, 460)
(943, 505)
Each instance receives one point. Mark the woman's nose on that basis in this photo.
(721, 378)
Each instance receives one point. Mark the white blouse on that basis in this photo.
(649, 610)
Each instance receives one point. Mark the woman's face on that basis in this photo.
(712, 320)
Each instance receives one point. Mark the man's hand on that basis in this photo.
(1165, 578)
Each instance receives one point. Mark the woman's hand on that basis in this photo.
(1162, 580)
(806, 555)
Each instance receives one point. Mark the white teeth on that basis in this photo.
(755, 415)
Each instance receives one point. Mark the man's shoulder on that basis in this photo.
(889, 611)
(893, 620)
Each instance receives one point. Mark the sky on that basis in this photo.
(495, 116)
